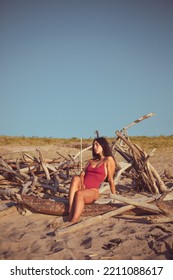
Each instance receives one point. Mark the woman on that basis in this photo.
(84, 189)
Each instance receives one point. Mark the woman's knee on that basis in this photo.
(76, 179)
(75, 183)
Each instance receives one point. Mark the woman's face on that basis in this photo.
(98, 148)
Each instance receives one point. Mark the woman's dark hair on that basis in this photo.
(105, 145)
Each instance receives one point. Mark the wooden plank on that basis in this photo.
(143, 205)
(92, 221)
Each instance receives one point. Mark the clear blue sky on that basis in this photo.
(68, 68)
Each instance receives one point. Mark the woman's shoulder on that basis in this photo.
(109, 159)
(89, 161)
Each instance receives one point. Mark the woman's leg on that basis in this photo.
(74, 187)
(83, 197)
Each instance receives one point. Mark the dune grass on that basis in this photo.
(28, 141)
(144, 142)
(159, 142)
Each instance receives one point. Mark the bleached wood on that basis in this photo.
(145, 174)
(159, 219)
(91, 221)
(143, 205)
(43, 164)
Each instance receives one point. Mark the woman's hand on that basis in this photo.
(82, 180)
(83, 187)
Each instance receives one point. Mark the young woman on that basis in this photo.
(84, 189)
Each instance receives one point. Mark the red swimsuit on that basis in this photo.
(94, 176)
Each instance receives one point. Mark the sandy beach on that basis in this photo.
(35, 236)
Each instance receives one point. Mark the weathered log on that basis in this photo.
(51, 207)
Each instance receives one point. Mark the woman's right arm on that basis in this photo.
(111, 167)
(82, 179)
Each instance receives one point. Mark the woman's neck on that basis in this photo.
(101, 157)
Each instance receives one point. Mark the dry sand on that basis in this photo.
(35, 236)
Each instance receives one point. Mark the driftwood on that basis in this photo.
(59, 208)
(142, 172)
(92, 221)
(35, 176)
(159, 219)
(146, 206)
(43, 164)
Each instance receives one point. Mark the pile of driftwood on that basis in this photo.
(34, 175)
(143, 174)
(42, 186)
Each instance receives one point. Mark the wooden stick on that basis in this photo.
(43, 164)
(128, 143)
(139, 120)
(150, 177)
(30, 157)
(91, 221)
(143, 205)
(79, 153)
(56, 184)
(18, 176)
(34, 180)
(158, 219)
(5, 165)
(27, 169)
(26, 186)
(116, 178)
(62, 155)
(159, 180)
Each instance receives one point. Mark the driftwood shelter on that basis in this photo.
(42, 186)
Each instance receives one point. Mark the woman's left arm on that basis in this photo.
(111, 166)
